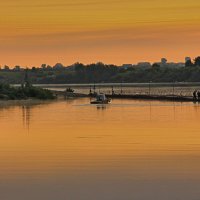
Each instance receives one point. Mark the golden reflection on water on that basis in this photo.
(134, 139)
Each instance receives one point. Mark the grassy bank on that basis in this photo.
(24, 92)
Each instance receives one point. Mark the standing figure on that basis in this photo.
(195, 95)
(113, 92)
(198, 94)
(90, 90)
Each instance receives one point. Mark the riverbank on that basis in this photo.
(42, 93)
(23, 92)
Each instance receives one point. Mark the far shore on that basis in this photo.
(153, 84)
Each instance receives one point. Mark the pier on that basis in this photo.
(153, 97)
(130, 96)
(179, 92)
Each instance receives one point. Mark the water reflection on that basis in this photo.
(102, 107)
(26, 116)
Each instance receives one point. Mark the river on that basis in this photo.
(71, 150)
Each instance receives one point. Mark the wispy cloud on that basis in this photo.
(61, 4)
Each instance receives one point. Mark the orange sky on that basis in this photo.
(112, 31)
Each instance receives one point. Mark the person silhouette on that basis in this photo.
(195, 95)
(198, 94)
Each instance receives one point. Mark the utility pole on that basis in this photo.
(121, 87)
(150, 87)
(174, 88)
(113, 90)
(94, 87)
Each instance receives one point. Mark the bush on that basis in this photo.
(7, 92)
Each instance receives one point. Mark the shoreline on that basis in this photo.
(63, 95)
(117, 84)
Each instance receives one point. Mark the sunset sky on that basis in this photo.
(111, 31)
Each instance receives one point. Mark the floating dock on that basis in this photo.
(153, 97)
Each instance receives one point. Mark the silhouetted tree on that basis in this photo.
(79, 67)
(49, 67)
(156, 66)
(197, 61)
(189, 63)
(33, 69)
(17, 68)
(43, 66)
(6, 68)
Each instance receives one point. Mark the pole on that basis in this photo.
(90, 90)
(149, 88)
(112, 90)
(94, 87)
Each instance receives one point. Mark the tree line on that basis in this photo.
(100, 72)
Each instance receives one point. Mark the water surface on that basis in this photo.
(73, 150)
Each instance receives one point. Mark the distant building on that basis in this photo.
(175, 65)
(165, 64)
(126, 66)
(17, 68)
(163, 61)
(144, 65)
(43, 66)
(58, 66)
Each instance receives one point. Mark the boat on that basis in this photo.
(70, 90)
(101, 99)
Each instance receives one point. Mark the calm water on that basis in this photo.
(70, 150)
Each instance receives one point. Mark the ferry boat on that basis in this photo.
(101, 99)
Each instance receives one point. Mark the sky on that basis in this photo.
(87, 31)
